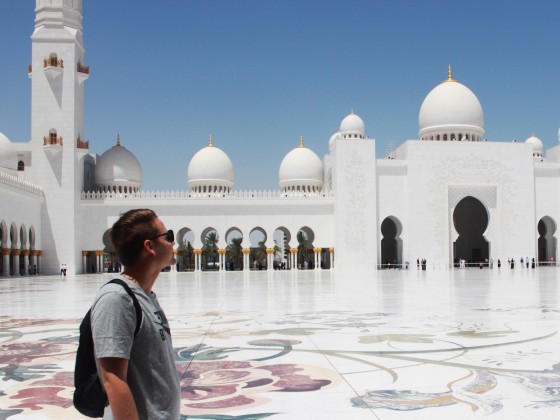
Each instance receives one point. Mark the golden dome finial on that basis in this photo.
(301, 141)
(450, 74)
(118, 139)
(210, 144)
(351, 111)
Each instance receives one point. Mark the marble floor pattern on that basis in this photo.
(391, 344)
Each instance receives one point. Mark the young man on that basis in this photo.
(138, 373)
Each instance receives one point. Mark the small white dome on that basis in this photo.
(210, 170)
(352, 126)
(451, 109)
(118, 170)
(538, 147)
(301, 170)
(8, 154)
(334, 138)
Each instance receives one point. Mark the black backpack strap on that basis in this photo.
(137, 307)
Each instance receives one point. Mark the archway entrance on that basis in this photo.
(391, 244)
(547, 241)
(470, 219)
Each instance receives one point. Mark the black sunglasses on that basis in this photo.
(169, 236)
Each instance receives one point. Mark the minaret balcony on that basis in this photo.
(82, 144)
(53, 67)
(82, 72)
(52, 141)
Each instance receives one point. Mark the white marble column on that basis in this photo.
(6, 262)
(221, 255)
(197, 253)
(84, 262)
(26, 262)
(33, 260)
(331, 252)
(269, 259)
(16, 253)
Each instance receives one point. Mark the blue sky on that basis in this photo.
(257, 74)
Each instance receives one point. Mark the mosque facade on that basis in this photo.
(447, 196)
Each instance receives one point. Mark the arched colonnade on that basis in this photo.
(19, 254)
(231, 249)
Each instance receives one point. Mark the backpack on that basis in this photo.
(89, 397)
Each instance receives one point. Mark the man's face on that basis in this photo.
(163, 249)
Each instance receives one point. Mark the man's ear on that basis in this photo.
(148, 247)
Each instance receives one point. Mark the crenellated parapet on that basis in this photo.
(182, 195)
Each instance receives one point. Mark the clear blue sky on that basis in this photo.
(257, 74)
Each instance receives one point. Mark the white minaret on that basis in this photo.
(57, 77)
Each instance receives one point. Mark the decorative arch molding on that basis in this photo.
(254, 231)
(3, 233)
(184, 236)
(14, 236)
(23, 236)
(231, 233)
(32, 237)
(108, 246)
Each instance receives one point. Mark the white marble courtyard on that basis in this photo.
(392, 344)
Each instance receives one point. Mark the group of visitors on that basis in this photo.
(523, 262)
(511, 263)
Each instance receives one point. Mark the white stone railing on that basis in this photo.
(14, 181)
(182, 195)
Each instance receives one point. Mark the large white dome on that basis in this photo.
(8, 154)
(210, 170)
(118, 170)
(352, 127)
(451, 111)
(301, 170)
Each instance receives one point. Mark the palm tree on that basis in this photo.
(234, 252)
(276, 259)
(188, 256)
(210, 247)
(303, 250)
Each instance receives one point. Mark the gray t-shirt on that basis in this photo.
(152, 374)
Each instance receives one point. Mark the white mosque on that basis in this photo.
(446, 196)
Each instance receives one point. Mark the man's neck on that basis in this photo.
(142, 276)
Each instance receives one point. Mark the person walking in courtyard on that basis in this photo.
(137, 371)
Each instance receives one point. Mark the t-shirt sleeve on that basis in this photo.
(113, 320)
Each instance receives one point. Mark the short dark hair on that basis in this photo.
(129, 233)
